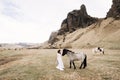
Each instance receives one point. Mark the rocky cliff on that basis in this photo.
(80, 30)
(114, 10)
(76, 19)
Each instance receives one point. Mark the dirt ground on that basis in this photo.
(39, 64)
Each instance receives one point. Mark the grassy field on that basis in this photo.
(40, 65)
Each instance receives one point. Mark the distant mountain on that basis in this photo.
(10, 46)
(25, 44)
(18, 45)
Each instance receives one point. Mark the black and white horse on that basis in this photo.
(98, 50)
(76, 57)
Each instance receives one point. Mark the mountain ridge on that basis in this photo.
(80, 30)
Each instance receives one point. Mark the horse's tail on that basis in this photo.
(85, 61)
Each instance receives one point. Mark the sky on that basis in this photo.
(32, 21)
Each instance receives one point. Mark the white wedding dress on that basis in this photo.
(60, 64)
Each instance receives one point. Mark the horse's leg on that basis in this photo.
(103, 52)
(70, 64)
(81, 64)
(85, 61)
(74, 64)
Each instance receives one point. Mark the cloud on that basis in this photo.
(34, 20)
(97, 8)
(10, 9)
(13, 31)
(19, 28)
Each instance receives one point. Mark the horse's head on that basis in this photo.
(64, 52)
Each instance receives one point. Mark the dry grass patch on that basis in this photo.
(40, 65)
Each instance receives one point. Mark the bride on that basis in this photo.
(60, 64)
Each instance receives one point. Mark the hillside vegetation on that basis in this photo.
(40, 64)
(80, 30)
(104, 33)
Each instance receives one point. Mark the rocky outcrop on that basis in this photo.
(94, 32)
(53, 38)
(114, 10)
(76, 19)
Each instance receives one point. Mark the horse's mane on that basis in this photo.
(69, 51)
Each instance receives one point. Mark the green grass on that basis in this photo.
(40, 65)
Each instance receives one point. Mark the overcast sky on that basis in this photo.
(33, 21)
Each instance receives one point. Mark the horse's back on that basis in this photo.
(80, 55)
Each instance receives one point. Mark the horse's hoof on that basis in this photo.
(80, 68)
(74, 68)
